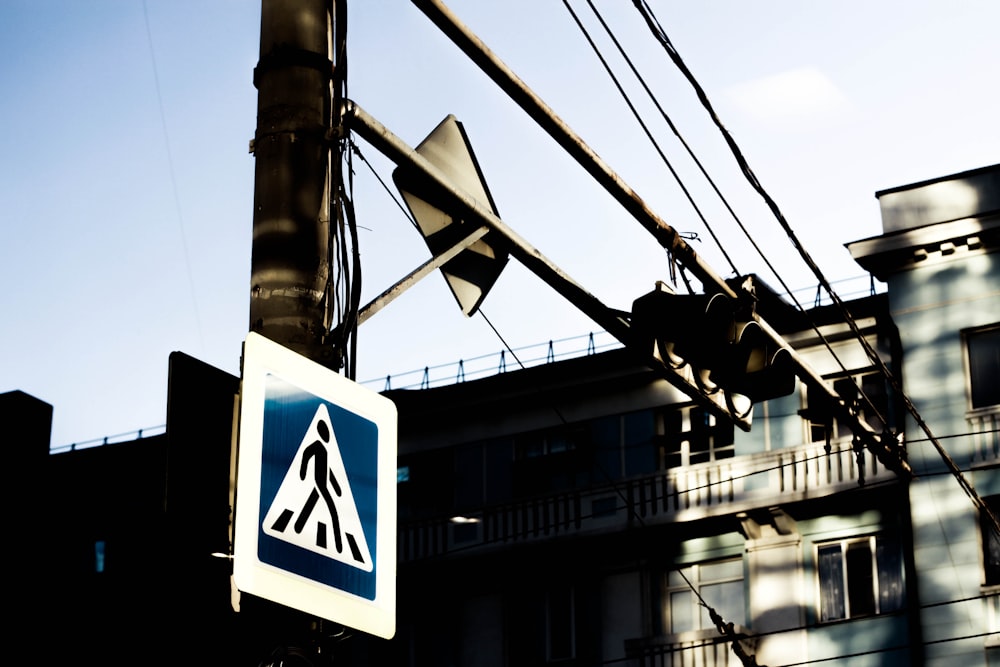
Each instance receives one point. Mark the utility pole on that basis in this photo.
(295, 197)
(291, 257)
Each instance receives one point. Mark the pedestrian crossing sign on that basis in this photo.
(315, 508)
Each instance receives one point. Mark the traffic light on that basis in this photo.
(726, 350)
(758, 367)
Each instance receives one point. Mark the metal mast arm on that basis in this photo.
(665, 235)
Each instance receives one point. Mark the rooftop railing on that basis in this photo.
(127, 436)
(496, 363)
(532, 355)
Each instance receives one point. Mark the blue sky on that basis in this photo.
(127, 184)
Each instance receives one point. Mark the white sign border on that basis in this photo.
(262, 357)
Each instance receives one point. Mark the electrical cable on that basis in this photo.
(406, 214)
(673, 127)
(344, 273)
(810, 626)
(712, 183)
(647, 132)
(869, 402)
(977, 501)
(173, 181)
(862, 398)
(661, 36)
(615, 486)
(348, 198)
(385, 186)
(725, 629)
(719, 622)
(498, 539)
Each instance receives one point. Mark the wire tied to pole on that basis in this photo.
(729, 632)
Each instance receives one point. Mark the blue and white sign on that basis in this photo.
(315, 525)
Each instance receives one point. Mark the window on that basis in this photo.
(991, 543)
(560, 639)
(552, 460)
(424, 484)
(100, 550)
(870, 392)
(720, 584)
(623, 444)
(983, 357)
(859, 577)
(542, 621)
(694, 435)
(638, 430)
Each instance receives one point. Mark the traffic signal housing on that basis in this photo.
(718, 340)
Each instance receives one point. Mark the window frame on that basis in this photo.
(873, 541)
(551, 460)
(990, 542)
(968, 335)
(692, 574)
(560, 608)
(814, 405)
(700, 437)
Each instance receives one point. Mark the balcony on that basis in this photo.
(984, 428)
(991, 600)
(679, 494)
(698, 649)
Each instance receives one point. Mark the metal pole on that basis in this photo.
(358, 120)
(291, 227)
(418, 274)
(541, 113)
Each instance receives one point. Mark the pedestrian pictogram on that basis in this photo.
(314, 507)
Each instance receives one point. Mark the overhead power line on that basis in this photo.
(642, 124)
(173, 180)
(661, 36)
(885, 447)
(863, 397)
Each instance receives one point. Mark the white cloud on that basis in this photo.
(804, 94)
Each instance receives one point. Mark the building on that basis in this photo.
(938, 258)
(586, 512)
(112, 545)
(575, 512)
(581, 513)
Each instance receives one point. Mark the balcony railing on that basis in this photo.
(702, 649)
(991, 599)
(679, 494)
(984, 427)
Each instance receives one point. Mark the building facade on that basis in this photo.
(938, 258)
(588, 513)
